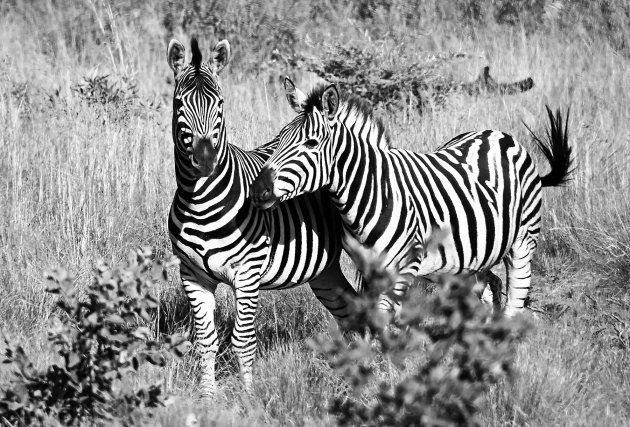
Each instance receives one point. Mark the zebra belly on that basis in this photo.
(472, 245)
(436, 263)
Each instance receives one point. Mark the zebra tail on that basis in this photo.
(556, 150)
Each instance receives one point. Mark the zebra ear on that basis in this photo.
(295, 96)
(330, 102)
(221, 56)
(175, 56)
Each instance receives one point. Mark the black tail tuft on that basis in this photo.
(557, 150)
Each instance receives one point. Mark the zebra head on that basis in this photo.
(302, 160)
(198, 130)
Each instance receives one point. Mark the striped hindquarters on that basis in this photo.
(482, 185)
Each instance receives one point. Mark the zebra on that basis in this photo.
(483, 186)
(217, 233)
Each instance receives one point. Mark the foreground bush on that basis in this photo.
(101, 337)
(446, 351)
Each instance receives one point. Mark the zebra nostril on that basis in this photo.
(262, 188)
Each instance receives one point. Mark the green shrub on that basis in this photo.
(101, 336)
(446, 351)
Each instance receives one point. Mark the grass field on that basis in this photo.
(82, 181)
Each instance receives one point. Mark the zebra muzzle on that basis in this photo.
(203, 156)
(262, 190)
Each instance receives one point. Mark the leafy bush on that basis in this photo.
(446, 350)
(117, 95)
(370, 73)
(394, 80)
(101, 337)
(98, 88)
(528, 12)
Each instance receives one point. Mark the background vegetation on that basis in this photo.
(86, 174)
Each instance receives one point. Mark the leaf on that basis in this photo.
(92, 319)
(118, 338)
(156, 358)
(142, 333)
(109, 375)
(73, 360)
(15, 406)
(74, 376)
(115, 319)
(182, 348)
(175, 339)
(129, 317)
(145, 315)
(150, 301)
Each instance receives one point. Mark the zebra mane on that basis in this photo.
(197, 59)
(196, 54)
(361, 110)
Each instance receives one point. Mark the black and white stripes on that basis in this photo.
(482, 186)
(217, 232)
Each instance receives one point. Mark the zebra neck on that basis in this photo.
(361, 188)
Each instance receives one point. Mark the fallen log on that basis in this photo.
(486, 85)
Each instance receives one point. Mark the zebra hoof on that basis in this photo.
(528, 313)
(510, 312)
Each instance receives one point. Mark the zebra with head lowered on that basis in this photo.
(483, 186)
(219, 235)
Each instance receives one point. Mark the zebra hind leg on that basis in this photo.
(493, 292)
(202, 303)
(519, 276)
(335, 293)
(390, 302)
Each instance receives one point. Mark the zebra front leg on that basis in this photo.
(519, 277)
(244, 333)
(335, 293)
(202, 302)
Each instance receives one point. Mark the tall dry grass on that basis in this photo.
(80, 182)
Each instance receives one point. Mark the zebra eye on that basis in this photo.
(311, 143)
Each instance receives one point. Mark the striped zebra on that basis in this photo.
(217, 233)
(483, 186)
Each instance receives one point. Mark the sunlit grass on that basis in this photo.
(81, 182)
